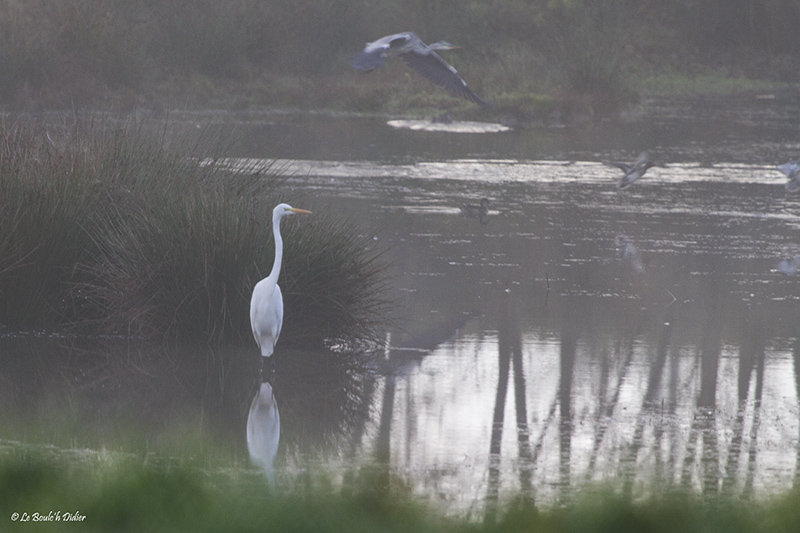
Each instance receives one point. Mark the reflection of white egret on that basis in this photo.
(264, 430)
(633, 172)
(792, 171)
(266, 305)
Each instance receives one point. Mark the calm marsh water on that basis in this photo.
(642, 338)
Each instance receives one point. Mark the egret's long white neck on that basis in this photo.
(276, 233)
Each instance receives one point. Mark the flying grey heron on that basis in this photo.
(792, 171)
(419, 56)
(633, 172)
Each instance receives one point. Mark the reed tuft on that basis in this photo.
(110, 230)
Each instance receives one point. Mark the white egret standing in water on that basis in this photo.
(419, 56)
(266, 305)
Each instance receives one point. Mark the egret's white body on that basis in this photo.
(264, 430)
(266, 304)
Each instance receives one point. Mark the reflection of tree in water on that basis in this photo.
(693, 455)
(649, 403)
(509, 337)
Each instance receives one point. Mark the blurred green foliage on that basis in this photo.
(119, 492)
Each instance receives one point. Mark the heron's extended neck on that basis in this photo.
(276, 265)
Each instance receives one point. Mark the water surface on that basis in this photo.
(645, 338)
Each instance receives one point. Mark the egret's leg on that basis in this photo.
(267, 370)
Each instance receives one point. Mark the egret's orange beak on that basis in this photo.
(299, 211)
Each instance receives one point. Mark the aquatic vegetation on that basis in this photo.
(588, 54)
(110, 230)
(47, 196)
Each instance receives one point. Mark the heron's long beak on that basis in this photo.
(299, 211)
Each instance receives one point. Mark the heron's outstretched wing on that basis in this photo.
(440, 72)
(642, 160)
(793, 185)
(625, 167)
(629, 178)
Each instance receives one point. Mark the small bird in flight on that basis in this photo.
(633, 172)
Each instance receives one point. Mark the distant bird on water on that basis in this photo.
(633, 172)
(477, 211)
(473, 211)
(419, 56)
(792, 171)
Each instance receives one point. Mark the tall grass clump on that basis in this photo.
(174, 252)
(586, 42)
(111, 229)
(49, 195)
(333, 289)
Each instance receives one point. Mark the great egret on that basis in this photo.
(633, 172)
(264, 430)
(266, 304)
(419, 56)
(792, 171)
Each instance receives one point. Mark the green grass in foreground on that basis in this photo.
(117, 492)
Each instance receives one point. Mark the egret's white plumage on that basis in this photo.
(266, 304)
